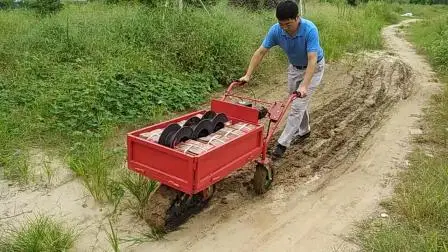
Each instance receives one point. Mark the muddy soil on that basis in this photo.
(361, 118)
(361, 115)
(351, 101)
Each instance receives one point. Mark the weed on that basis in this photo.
(140, 187)
(38, 234)
(49, 171)
(147, 236)
(351, 29)
(112, 237)
(94, 164)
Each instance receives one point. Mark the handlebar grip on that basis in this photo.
(234, 82)
(297, 93)
(240, 83)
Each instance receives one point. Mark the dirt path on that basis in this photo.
(363, 118)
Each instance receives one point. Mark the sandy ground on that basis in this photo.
(363, 116)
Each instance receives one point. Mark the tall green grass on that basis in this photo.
(70, 80)
(431, 37)
(38, 234)
(419, 207)
(95, 66)
(346, 29)
(78, 78)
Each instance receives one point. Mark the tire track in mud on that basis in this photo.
(360, 138)
(351, 105)
(353, 99)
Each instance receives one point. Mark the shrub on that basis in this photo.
(38, 234)
(45, 7)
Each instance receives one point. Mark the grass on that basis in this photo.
(96, 166)
(431, 37)
(69, 81)
(112, 237)
(140, 188)
(76, 80)
(419, 207)
(349, 30)
(38, 234)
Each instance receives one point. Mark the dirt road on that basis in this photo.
(364, 116)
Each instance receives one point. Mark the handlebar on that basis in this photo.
(278, 110)
(235, 82)
(239, 83)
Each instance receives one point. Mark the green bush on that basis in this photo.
(72, 78)
(431, 36)
(45, 7)
(38, 234)
(6, 4)
(348, 29)
(79, 76)
(122, 98)
(255, 4)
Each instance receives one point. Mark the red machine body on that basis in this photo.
(192, 174)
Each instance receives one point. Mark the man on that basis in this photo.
(299, 39)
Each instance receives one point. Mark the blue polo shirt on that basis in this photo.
(296, 47)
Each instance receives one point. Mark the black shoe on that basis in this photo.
(301, 139)
(278, 152)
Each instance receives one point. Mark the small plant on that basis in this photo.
(49, 171)
(95, 165)
(6, 4)
(154, 234)
(146, 236)
(112, 237)
(38, 234)
(17, 167)
(141, 188)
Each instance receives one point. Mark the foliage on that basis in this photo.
(255, 4)
(68, 80)
(347, 29)
(45, 7)
(71, 80)
(38, 234)
(431, 37)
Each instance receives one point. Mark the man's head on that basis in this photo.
(287, 15)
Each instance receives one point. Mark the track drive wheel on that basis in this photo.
(158, 203)
(168, 208)
(263, 178)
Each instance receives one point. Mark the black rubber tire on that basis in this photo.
(218, 121)
(167, 132)
(209, 115)
(183, 134)
(154, 213)
(262, 112)
(211, 192)
(261, 181)
(192, 121)
(202, 129)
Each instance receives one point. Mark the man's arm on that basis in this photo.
(312, 42)
(312, 62)
(254, 62)
(268, 42)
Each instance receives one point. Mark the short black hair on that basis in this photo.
(287, 10)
